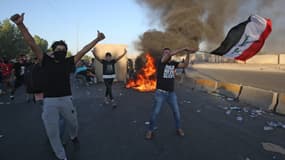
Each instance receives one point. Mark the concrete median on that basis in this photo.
(281, 104)
(206, 84)
(258, 97)
(229, 89)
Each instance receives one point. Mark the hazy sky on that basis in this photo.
(122, 21)
(77, 21)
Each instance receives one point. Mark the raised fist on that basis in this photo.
(17, 19)
(100, 35)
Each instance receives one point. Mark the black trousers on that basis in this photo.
(19, 81)
(108, 83)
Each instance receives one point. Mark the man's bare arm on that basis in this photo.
(88, 47)
(19, 21)
(95, 55)
(187, 59)
(120, 57)
(165, 58)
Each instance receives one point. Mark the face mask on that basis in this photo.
(59, 55)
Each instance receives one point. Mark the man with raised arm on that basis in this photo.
(109, 73)
(165, 88)
(57, 90)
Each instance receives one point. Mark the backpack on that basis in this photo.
(34, 78)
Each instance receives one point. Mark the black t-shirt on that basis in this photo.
(57, 76)
(19, 68)
(108, 67)
(166, 75)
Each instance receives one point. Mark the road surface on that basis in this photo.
(107, 134)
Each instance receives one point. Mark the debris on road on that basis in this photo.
(198, 111)
(275, 124)
(267, 128)
(273, 148)
(146, 123)
(230, 99)
(235, 108)
(1, 102)
(1, 136)
(185, 101)
(228, 112)
(239, 118)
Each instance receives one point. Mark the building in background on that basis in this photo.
(121, 66)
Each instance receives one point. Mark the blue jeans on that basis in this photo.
(171, 99)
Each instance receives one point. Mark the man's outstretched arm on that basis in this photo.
(186, 61)
(88, 47)
(95, 55)
(19, 21)
(121, 56)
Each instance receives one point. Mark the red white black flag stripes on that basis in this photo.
(245, 39)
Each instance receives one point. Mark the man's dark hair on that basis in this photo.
(166, 49)
(108, 54)
(56, 43)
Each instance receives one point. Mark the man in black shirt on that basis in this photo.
(109, 73)
(165, 88)
(57, 91)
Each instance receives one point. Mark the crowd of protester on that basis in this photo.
(14, 74)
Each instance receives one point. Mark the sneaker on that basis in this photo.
(75, 140)
(106, 100)
(149, 135)
(76, 144)
(12, 97)
(180, 132)
(114, 104)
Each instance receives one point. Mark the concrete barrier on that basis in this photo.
(258, 97)
(281, 104)
(205, 84)
(229, 89)
(282, 59)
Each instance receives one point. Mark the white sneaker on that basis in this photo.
(106, 100)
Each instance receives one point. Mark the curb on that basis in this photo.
(206, 85)
(229, 89)
(280, 108)
(265, 99)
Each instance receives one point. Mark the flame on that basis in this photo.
(145, 80)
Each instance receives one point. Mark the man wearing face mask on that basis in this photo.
(57, 90)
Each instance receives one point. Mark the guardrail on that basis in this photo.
(261, 98)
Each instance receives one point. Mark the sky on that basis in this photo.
(77, 21)
(122, 21)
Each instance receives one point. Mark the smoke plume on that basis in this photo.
(190, 22)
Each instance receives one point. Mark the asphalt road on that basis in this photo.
(107, 134)
(265, 80)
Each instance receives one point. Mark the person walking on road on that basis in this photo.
(57, 89)
(109, 73)
(165, 88)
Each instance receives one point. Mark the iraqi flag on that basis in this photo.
(245, 39)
